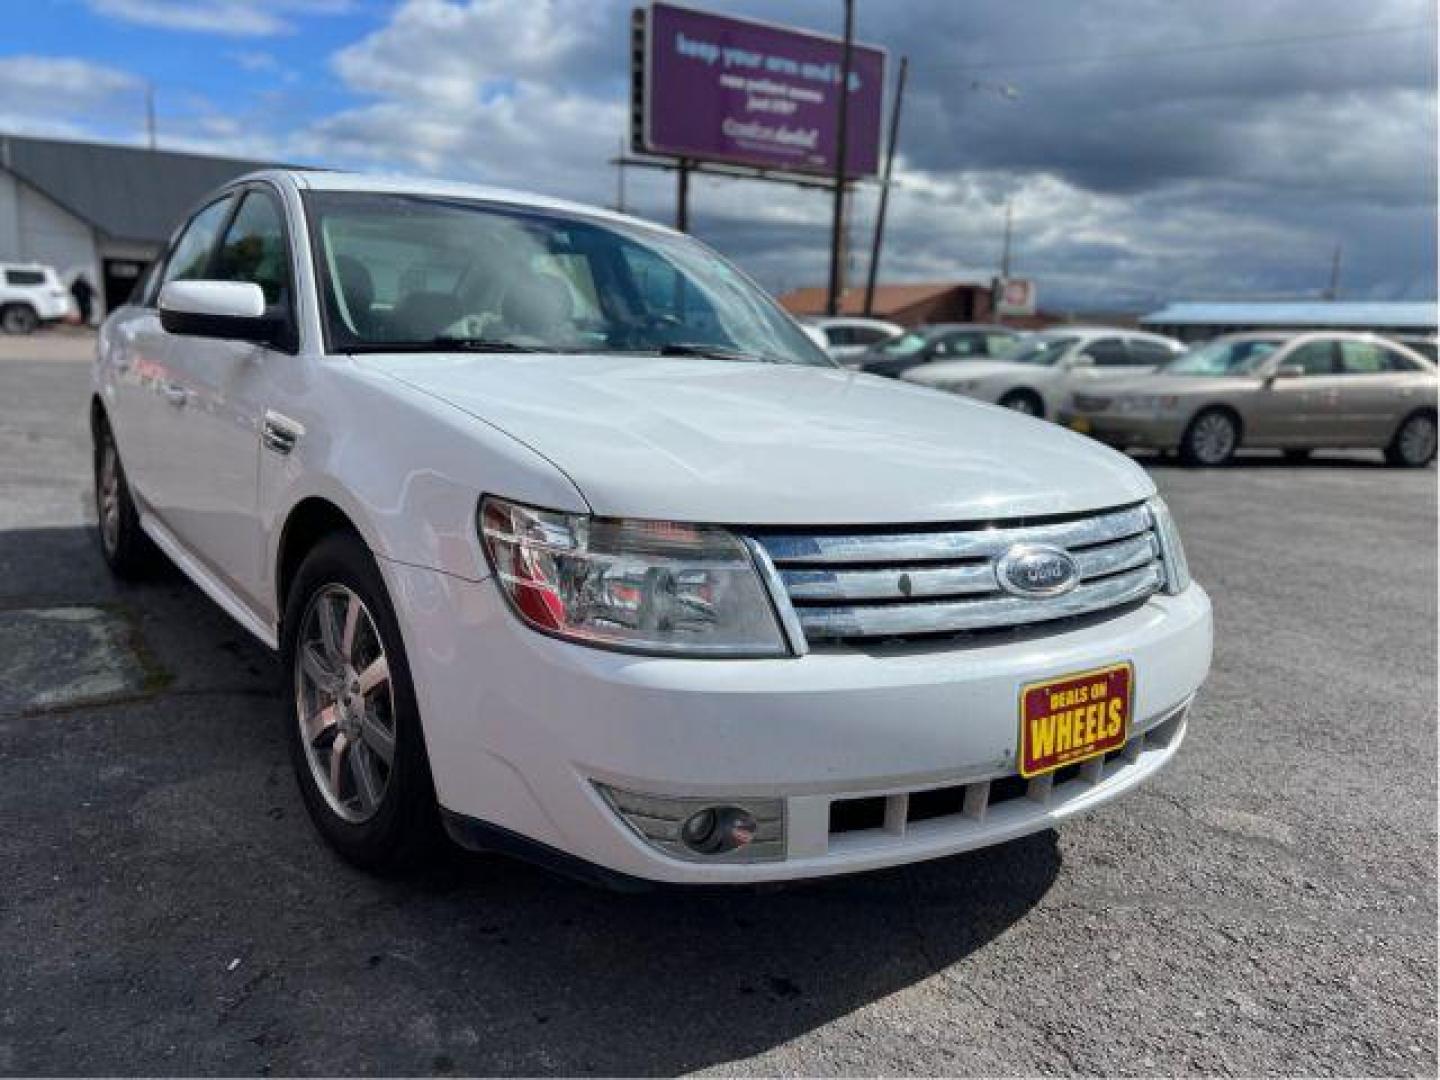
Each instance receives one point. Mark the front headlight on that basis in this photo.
(645, 586)
(1177, 570)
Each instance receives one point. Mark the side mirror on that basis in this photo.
(233, 310)
(1286, 371)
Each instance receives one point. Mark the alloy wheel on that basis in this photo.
(1213, 438)
(1417, 439)
(344, 703)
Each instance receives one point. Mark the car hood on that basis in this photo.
(945, 371)
(744, 443)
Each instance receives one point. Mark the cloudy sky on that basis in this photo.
(1153, 149)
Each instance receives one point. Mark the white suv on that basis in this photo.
(573, 542)
(30, 296)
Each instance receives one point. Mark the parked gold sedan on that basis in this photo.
(1293, 392)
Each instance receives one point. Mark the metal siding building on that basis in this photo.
(97, 210)
(1198, 321)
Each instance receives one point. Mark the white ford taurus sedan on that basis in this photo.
(574, 544)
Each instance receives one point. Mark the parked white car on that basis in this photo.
(562, 526)
(1049, 367)
(31, 296)
(849, 336)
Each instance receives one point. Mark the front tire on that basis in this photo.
(123, 544)
(1211, 439)
(350, 713)
(1413, 446)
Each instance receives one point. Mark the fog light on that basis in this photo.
(718, 829)
(686, 827)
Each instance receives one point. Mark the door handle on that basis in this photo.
(279, 433)
(176, 394)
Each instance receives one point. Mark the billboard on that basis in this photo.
(1014, 296)
(715, 88)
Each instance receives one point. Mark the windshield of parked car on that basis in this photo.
(1043, 350)
(420, 273)
(906, 344)
(1223, 357)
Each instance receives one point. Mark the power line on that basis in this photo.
(1202, 47)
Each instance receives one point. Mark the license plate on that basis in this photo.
(1080, 424)
(1074, 718)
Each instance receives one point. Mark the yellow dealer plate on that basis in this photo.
(1074, 718)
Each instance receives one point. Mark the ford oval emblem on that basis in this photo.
(1037, 570)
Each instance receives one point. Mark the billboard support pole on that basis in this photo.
(682, 196)
(885, 190)
(837, 223)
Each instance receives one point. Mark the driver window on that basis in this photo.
(1108, 352)
(253, 249)
(190, 258)
(1314, 358)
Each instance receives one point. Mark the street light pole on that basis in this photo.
(837, 223)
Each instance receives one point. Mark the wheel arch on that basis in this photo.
(308, 522)
(1410, 414)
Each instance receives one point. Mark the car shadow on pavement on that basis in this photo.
(170, 896)
(1263, 460)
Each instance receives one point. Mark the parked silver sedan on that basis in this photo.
(1293, 392)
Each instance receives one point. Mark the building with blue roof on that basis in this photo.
(1201, 320)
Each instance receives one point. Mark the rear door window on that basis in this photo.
(1149, 353)
(24, 277)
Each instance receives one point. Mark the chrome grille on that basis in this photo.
(936, 581)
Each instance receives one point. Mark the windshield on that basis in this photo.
(1043, 350)
(421, 273)
(1222, 357)
(907, 344)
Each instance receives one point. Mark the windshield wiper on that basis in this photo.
(713, 352)
(470, 344)
(441, 344)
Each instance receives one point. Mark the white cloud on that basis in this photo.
(59, 95)
(232, 18)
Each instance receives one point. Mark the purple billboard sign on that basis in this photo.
(748, 93)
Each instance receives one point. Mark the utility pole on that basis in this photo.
(682, 196)
(1005, 252)
(150, 112)
(885, 189)
(1333, 293)
(837, 223)
(620, 178)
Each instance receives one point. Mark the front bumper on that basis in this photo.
(1149, 431)
(521, 727)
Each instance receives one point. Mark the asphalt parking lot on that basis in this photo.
(1267, 905)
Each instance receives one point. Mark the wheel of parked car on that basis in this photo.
(1024, 401)
(350, 712)
(1413, 446)
(127, 550)
(1210, 439)
(18, 319)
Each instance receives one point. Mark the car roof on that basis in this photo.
(326, 180)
